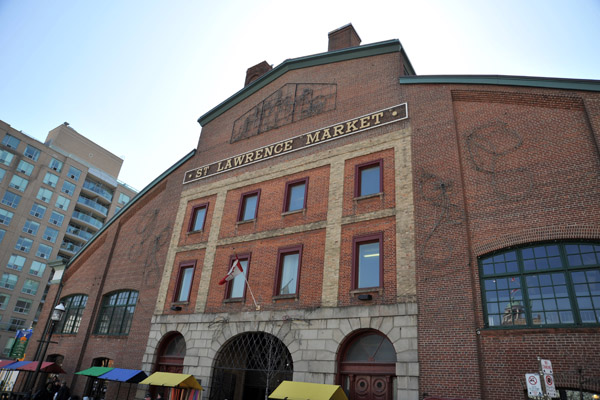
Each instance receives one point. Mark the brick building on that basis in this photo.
(405, 237)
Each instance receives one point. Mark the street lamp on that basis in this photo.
(56, 316)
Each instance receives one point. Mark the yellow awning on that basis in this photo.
(308, 391)
(172, 380)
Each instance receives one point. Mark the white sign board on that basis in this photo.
(534, 386)
(546, 367)
(550, 388)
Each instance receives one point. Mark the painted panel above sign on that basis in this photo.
(327, 134)
(291, 103)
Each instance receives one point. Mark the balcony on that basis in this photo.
(69, 247)
(97, 189)
(78, 234)
(92, 206)
(87, 220)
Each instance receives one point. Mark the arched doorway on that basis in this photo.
(171, 353)
(95, 387)
(367, 366)
(249, 367)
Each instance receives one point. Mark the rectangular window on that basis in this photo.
(68, 188)
(295, 195)
(5, 217)
(18, 183)
(6, 157)
(44, 251)
(22, 306)
(37, 268)
(2, 233)
(11, 199)
(56, 218)
(236, 288)
(25, 168)
(198, 218)
(74, 173)
(184, 282)
(50, 179)
(367, 265)
(11, 141)
(44, 195)
(16, 324)
(32, 152)
(37, 210)
(123, 198)
(2, 173)
(30, 287)
(4, 299)
(50, 234)
(62, 203)
(24, 244)
(16, 262)
(288, 271)
(248, 206)
(368, 178)
(31, 227)
(55, 165)
(8, 281)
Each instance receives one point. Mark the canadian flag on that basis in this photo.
(234, 271)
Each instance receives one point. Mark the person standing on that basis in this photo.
(63, 393)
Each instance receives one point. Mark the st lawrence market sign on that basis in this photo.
(327, 134)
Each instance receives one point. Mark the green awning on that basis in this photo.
(94, 371)
(171, 379)
(308, 391)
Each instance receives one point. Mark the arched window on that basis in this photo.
(171, 353)
(116, 313)
(549, 284)
(74, 306)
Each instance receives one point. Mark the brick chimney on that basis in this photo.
(343, 37)
(253, 73)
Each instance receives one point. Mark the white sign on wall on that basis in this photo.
(546, 367)
(550, 388)
(534, 386)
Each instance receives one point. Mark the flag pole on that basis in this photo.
(251, 294)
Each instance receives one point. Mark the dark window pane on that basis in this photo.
(296, 197)
(369, 180)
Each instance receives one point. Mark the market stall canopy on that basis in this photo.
(124, 375)
(170, 379)
(94, 371)
(17, 364)
(304, 391)
(6, 363)
(47, 366)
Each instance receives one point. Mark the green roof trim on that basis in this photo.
(369, 50)
(506, 80)
(132, 202)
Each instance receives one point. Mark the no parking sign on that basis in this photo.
(534, 386)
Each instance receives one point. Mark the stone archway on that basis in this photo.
(249, 367)
(170, 354)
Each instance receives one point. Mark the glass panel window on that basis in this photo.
(74, 306)
(6, 157)
(32, 152)
(50, 179)
(8, 281)
(31, 227)
(5, 217)
(37, 268)
(11, 199)
(2, 233)
(295, 195)
(4, 299)
(248, 206)
(116, 313)
(16, 262)
(18, 183)
(74, 173)
(22, 306)
(50, 234)
(2, 174)
(184, 282)
(198, 217)
(62, 203)
(123, 198)
(37, 210)
(368, 179)
(55, 165)
(44, 195)
(30, 287)
(535, 287)
(25, 168)
(11, 141)
(44, 251)
(236, 288)
(16, 324)
(367, 262)
(288, 269)
(24, 244)
(68, 188)
(56, 218)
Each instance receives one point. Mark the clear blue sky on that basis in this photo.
(134, 76)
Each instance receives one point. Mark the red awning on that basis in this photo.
(47, 366)
(4, 363)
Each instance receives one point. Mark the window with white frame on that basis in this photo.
(123, 198)
(55, 165)
(16, 262)
(5, 216)
(6, 157)
(10, 141)
(31, 227)
(73, 173)
(56, 218)
(37, 210)
(30, 287)
(4, 299)
(37, 268)
(62, 203)
(22, 306)
(2, 174)
(32, 152)
(44, 195)
(50, 179)
(50, 234)
(24, 244)
(25, 168)
(8, 281)
(2, 233)
(11, 199)
(18, 183)
(68, 188)
(43, 251)
(16, 324)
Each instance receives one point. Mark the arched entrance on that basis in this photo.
(171, 353)
(249, 367)
(95, 387)
(367, 366)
